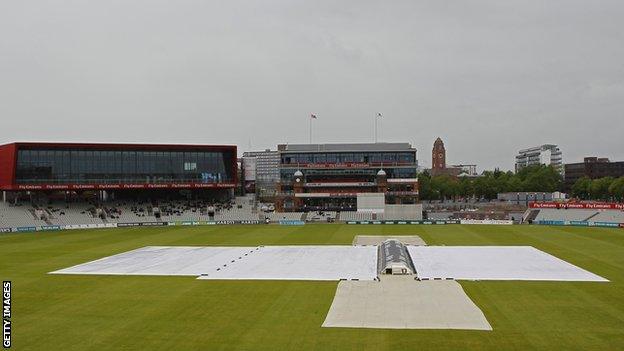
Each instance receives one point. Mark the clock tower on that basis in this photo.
(438, 157)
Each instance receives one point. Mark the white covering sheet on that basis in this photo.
(162, 260)
(494, 263)
(303, 263)
(271, 262)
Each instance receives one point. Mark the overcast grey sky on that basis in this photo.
(489, 77)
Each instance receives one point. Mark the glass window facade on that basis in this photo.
(288, 174)
(350, 157)
(396, 164)
(86, 166)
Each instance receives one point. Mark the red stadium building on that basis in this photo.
(105, 169)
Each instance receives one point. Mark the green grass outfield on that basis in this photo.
(80, 312)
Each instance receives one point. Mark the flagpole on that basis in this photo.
(310, 129)
(375, 129)
(377, 119)
(377, 116)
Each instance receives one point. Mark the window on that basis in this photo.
(190, 166)
(391, 157)
(406, 157)
(320, 158)
(332, 158)
(359, 158)
(108, 166)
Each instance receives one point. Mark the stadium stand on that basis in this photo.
(440, 215)
(579, 215)
(355, 216)
(290, 216)
(17, 216)
(609, 216)
(530, 215)
(548, 214)
(74, 214)
(126, 211)
(240, 209)
(235, 214)
(321, 216)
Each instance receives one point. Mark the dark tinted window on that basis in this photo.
(111, 166)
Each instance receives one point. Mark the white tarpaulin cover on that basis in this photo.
(271, 262)
(398, 302)
(162, 260)
(494, 263)
(335, 262)
(303, 263)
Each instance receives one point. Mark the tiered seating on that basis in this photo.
(128, 212)
(127, 216)
(355, 216)
(292, 216)
(17, 216)
(321, 216)
(609, 216)
(181, 211)
(124, 211)
(236, 214)
(73, 214)
(530, 215)
(243, 210)
(441, 215)
(551, 214)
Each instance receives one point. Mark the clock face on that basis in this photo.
(440, 155)
(297, 180)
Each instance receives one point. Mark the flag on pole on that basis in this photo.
(312, 115)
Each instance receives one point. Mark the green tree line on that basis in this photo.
(538, 178)
(489, 184)
(607, 188)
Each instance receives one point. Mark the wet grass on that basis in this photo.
(77, 312)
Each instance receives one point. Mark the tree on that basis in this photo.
(582, 188)
(514, 185)
(600, 188)
(424, 186)
(502, 180)
(466, 187)
(485, 186)
(446, 186)
(616, 189)
(540, 178)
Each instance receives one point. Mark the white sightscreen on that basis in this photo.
(371, 202)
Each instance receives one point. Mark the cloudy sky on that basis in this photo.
(488, 77)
